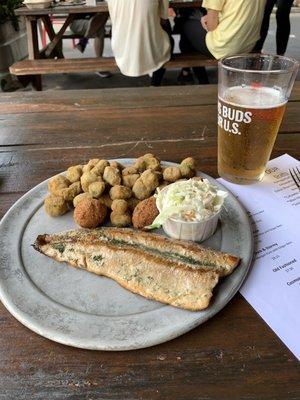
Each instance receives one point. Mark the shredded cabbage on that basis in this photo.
(191, 200)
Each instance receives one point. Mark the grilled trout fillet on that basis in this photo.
(179, 273)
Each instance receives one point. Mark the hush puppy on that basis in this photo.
(96, 189)
(145, 213)
(112, 176)
(90, 213)
(120, 192)
(55, 205)
(57, 183)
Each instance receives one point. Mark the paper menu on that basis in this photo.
(279, 182)
(273, 284)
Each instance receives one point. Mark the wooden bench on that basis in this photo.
(78, 65)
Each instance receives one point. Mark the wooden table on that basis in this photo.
(235, 355)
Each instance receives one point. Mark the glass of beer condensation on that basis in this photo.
(253, 92)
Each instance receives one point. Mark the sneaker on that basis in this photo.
(104, 74)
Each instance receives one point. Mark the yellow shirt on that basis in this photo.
(139, 43)
(239, 26)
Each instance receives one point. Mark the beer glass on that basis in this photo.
(253, 92)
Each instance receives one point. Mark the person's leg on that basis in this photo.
(158, 75)
(283, 25)
(82, 43)
(193, 40)
(97, 30)
(265, 25)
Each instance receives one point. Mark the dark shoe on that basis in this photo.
(185, 77)
(80, 47)
(201, 75)
(104, 74)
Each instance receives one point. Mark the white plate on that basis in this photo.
(77, 308)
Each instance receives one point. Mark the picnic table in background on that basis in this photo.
(234, 355)
(31, 70)
(33, 15)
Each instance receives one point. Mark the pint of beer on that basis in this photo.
(253, 92)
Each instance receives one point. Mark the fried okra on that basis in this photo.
(132, 203)
(140, 190)
(117, 165)
(129, 180)
(112, 176)
(99, 168)
(120, 220)
(105, 199)
(119, 206)
(140, 164)
(188, 167)
(172, 174)
(88, 178)
(74, 173)
(129, 171)
(96, 189)
(57, 183)
(90, 165)
(146, 184)
(120, 192)
(70, 192)
(55, 205)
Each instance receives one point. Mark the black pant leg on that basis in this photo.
(193, 38)
(265, 25)
(283, 25)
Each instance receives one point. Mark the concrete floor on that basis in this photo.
(93, 81)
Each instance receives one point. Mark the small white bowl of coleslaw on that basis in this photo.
(189, 209)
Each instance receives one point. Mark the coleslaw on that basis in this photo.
(192, 200)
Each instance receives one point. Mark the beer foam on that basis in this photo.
(254, 97)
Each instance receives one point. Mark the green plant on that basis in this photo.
(7, 13)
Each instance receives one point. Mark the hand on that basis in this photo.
(204, 22)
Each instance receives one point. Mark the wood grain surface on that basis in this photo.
(235, 355)
(79, 65)
(100, 7)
